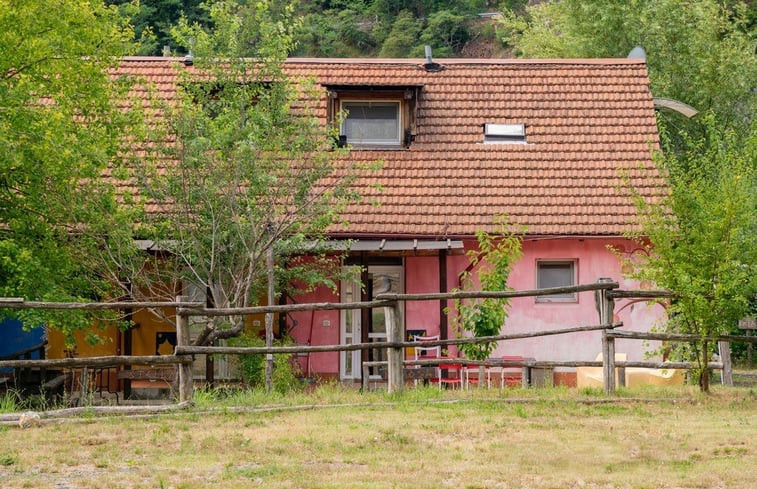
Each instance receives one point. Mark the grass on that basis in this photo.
(9, 402)
(545, 438)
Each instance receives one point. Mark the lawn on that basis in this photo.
(338, 438)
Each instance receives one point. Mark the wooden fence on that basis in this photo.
(606, 291)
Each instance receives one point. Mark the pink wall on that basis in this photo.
(593, 260)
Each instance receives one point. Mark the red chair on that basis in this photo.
(448, 380)
(476, 371)
(511, 376)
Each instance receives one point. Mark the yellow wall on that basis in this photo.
(109, 336)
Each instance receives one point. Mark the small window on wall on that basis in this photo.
(372, 123)
(556, 274)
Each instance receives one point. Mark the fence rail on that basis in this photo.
(606, 291)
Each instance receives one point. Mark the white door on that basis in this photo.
(382, 279)
(349, 332)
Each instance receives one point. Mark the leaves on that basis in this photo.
(492, 263)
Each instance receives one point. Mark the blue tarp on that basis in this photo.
(13, 338)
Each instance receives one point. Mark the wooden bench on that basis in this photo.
(150, 378)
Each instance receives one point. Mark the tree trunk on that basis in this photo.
(269, 320)
(704, 374)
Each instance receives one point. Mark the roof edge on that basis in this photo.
(419, 62)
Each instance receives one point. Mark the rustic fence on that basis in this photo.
(606, 291)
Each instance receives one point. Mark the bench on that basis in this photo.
(150, 378)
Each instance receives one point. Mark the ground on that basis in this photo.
(336, 439)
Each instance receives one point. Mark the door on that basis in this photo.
(350, 332)
(385, 278)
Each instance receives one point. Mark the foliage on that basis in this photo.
(252, 367)
(699, 52)
(446, 32)
(252, 169)
(153, 20)
(403, 37)
(60, 127)
(701, 239)
(495, 257)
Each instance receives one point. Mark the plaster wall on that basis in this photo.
(593, 260)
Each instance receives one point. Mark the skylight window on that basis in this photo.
(504, 134)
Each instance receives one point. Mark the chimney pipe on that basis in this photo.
(430, 65)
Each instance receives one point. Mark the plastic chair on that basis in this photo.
(450, 368)
(511, 376)
(468, 369)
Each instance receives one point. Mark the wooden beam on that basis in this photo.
(109, 361)
(260, 350)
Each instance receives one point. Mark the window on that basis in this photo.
(371, 123)
(374, 116)
(504, 133)
(556, 274)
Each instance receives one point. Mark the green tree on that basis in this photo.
(60, 127)
(402, 41)
(700, 52)
(253, 173)
(446, 32)
(701, 239)
(492, 263)
(153, 20)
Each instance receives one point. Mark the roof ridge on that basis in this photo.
(420, 61)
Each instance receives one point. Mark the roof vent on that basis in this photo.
(504, 133)
(430, 65)
(189, 59)
(638, 53)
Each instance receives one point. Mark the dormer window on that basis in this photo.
(371, 123)
(374, 117)
(504, 134)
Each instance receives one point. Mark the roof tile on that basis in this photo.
(587, 122)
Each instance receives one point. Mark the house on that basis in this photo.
(546, 142)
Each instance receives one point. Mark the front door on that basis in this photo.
(384, 278)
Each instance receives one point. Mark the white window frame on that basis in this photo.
(496, 133)
(569, 298)
(397, 142)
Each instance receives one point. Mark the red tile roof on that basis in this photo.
(587, 121)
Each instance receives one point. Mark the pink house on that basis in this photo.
(546, 142)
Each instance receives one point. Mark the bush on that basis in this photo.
(252, 367)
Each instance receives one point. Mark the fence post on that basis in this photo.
(396, 372)
(606, 308)
(182, 339)
(726, 376)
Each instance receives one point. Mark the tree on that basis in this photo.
(701, 239)
(252, 175)
(698, 52)
(403, 38)
(492, 262)
(446, 32)
(60, 127)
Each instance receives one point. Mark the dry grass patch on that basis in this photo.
(552, 440)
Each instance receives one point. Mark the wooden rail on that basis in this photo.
(606, 291)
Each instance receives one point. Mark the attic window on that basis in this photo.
(504, 134)
(374, 117)
(372, 123)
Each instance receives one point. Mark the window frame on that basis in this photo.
(397, 143)
(504, 133)
(561, 298)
